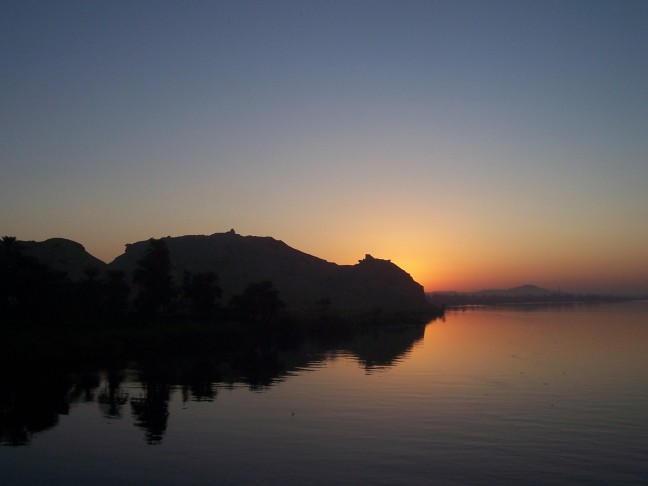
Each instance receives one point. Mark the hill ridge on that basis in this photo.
(304, 281)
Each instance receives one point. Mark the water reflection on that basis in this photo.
(384, 348)
(31, 404)
(491, 396)
(151, 411)
(31, 401)
(112, 398)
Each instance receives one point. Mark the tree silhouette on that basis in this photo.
(9, 256)
(116, 293)
(153, 278)
(90, 293)
(201, 292)
(29, 289)
(259, 302)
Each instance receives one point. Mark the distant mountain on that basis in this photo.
(304, 281)
(522, 290)
(524, 294)
(62, 255)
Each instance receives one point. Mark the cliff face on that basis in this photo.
(304, 281)
(376, 284)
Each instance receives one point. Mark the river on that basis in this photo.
(522, 394)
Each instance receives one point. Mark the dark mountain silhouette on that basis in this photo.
(524, 294)
(522, 290)
(303, 281)
(62, 255)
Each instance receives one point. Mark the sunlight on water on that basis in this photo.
(534, 395)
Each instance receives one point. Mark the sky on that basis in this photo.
(476, 144)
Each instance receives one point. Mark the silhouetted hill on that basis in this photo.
(522, 290)
(62, 255)
(303, 281)
(523, 294)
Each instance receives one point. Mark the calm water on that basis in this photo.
(518, 395)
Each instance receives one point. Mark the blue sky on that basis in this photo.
(473, 143)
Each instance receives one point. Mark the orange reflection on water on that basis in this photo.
(574, 344)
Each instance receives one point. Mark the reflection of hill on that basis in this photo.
(385, 346)
(31, 403)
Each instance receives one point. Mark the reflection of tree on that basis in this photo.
(198, 381)
(152, 411)
(112, 398)
(32, 404)
(29, 405)
(260, 367)
(84, 387)
(199, 392)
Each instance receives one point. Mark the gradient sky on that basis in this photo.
(476, 144)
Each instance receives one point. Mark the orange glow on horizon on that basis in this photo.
(460, 261)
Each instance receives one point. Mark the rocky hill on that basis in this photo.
(304, 281)
(62, 255)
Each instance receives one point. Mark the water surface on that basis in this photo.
(522, 394)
